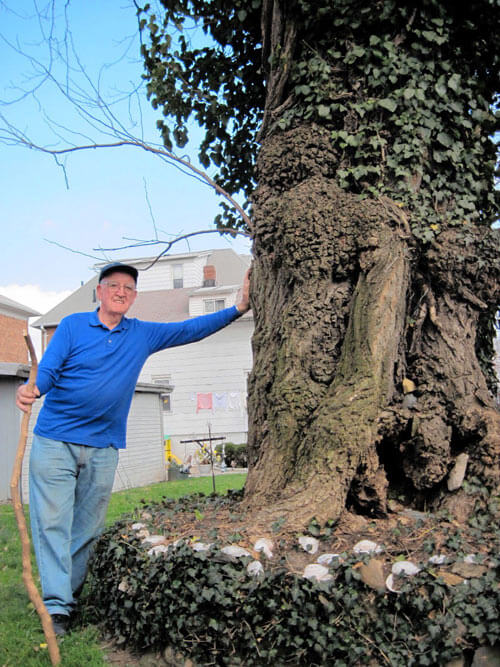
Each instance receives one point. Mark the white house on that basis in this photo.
(207, 379)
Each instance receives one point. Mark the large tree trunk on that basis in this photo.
(344, 314)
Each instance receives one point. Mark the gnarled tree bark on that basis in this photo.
(344, 313)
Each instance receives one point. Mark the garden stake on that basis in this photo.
(33, 593)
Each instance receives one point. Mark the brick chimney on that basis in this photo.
(209, 275)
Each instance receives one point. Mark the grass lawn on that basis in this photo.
(22, 642)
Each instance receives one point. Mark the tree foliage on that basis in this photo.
(406, 90)
(218, 84)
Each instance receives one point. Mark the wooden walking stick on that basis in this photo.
(33, 593)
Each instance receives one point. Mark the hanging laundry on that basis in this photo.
(220, 401)
(234, 402)
(204, 402)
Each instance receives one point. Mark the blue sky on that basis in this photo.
(106, 199)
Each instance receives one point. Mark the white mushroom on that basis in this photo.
(235, 551)
(471, 558)
(399, 568)
(154, 540)
(158, 549)
(123, 586)
(318, 572)
(326, 559)
(255, 568)
(265, 545)
(437, 559)
(389, 582)
(201, 546)
(367, 547)
(309, 544)
(405, 567)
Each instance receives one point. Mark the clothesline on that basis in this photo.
(225, 401)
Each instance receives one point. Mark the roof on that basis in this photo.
(17, 309)
(171, 305)
(231, 265)
(157, 305)
(82, 300)
(216, 291)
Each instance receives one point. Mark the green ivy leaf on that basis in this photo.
(389, 104)
(444, 139)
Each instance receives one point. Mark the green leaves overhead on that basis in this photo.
(409, 105)
(202, 63)
(407, 91)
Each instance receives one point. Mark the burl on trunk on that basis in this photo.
(365, 374)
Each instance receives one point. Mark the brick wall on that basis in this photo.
(12, 346)
(47, 337)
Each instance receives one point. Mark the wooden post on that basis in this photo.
(33, 593)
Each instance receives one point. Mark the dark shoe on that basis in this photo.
(60, 623)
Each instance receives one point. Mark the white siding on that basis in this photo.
(196, 271)
(142, 462)
(218, 365)
(197, 301)
(160, 276)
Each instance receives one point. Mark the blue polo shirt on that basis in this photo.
(89, 372)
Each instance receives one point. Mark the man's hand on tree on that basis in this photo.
(243, 304)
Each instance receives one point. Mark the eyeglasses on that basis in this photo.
(114, 286)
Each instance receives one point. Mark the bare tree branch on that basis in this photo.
(139, 243)
(150, 148)
(97, 123)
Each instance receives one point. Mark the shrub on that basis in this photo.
(208, 607)
(236, 453)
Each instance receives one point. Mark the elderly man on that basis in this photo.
(88, 375)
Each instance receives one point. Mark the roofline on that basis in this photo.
(35, 325)
(14, 369)
(155, 258)
(17, 308)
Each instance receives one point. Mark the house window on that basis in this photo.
(178, 276)
(213, 305)
(166, 399)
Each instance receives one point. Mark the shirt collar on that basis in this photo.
(94, 321)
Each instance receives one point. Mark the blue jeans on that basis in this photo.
(70, 487)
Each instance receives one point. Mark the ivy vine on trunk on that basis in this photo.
(361, 135)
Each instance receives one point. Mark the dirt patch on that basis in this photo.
(403, 533)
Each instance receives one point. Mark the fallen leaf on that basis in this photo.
(469, 570)
(372, 574)
(449, 578)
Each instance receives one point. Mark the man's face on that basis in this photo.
(117, 293)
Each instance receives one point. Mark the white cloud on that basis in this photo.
(34, 296)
